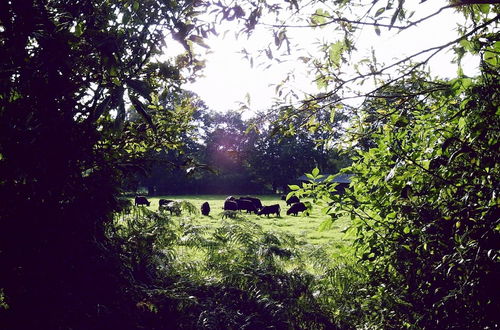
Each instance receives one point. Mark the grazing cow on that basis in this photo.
(275, 208)
(296, 208)
(230, 205)
(291, 200)
(163, 202)
(205, 208)
(141, 200)
(174, 207)
(247, 205)
(255, 201)
(230, 214)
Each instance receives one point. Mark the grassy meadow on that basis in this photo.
(281, 264)
(303, 228)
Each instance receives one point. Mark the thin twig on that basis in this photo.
(359, 22)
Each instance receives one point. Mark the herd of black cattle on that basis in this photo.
(248, 204)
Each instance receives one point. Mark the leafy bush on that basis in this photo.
(424, 204)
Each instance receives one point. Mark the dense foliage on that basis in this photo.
(424, 198)
(424, 202)
(425, 208)
(85, 98)
(67, 69)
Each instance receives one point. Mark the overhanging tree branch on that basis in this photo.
(435, 50)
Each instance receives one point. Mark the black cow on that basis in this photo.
(205, 208)
(296, 208)
(255, 201)
(141, 200)
(230, 205)
(247, 205)
(291, 200)
(275, 208)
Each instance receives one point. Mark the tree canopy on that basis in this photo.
(86, 96)
(71, 72)
(229, 155)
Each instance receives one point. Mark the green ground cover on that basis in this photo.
(303, 228)
(283, 264)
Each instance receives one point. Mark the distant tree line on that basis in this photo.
(227, 154)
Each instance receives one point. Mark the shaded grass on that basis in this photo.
(303, 228)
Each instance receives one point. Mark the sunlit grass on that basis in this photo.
(303, 228)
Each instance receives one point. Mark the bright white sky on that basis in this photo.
(228, 77)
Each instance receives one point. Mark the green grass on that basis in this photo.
(303, 228)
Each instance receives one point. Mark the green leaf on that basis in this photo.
(402, 121)
(326, 225)
(126, 17)
(326, 210)
(462, 123)
(99, 110)
(467, 44)
(310, 176)
(335, 52)
(380, 11)
(140, 87)
(491, 58)
(484, 8)
(332, 115)
(79, 29)
(113, 72)
(290, 194)
(329, 178)
(321, 81)
(426, 163)
(397, 12)
(315, 172)
(139, 107)
(199, 41)
(293, 187)
(496, 46)
(116, 81)
(319, 17)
